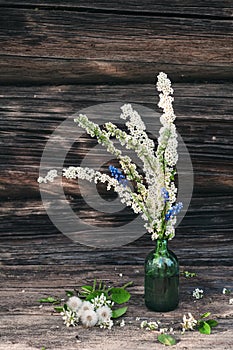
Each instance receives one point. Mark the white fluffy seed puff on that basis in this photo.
(74, 303)
(89, 318)
(104, 314)
(86, 306)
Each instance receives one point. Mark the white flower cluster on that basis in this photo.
(138, 140)
(159, 168)
(198, 293)
(155, 326)
(51, 175)
(103, 137)
(127, 197)
(189, 323)
(166, 159)
(101, 300)
(150, 326)
(97, 312)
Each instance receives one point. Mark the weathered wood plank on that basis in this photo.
(197, 246)
(17, 70)
(204, 121)
(24, 322)
(37, 46)
(190, 7)
(69, 42)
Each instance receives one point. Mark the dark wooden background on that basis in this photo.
(57, 57)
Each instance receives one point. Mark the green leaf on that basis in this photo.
(50, 300)
(212, 323)
(120, 295)
(206, 314)
(65, 307)
(58, 308)
(119, 312)
(166, 339)
(101, 286)
(69, 293)
(95, 294)
(204, 328)
(94, 284)
(87, 289)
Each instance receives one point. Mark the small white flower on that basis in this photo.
(122, 324)
(150, 326)
(89, 318)
(101, 300)
(198, 293)
(41, 179)
(163, 330)
(70, 173)
(226, 291)
(231, 301)
(189, 323)
(143, 324)
(74, 303)
(166, 330)
(69, 317)
(153, 326)
(108, 324)
(138, 318)
(104, 313)
(51, 175)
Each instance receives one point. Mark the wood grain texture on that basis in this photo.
(83, 47)
(35, 327)
(198, 8)
(200, 110)
(59, 56)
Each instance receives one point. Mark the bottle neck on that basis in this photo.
(161, 247)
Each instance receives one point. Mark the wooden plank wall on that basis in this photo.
(57, 57)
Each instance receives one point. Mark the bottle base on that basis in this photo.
(161, 308)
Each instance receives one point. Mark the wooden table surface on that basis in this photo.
(58, 57)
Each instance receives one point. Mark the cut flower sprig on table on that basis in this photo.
(95, 305)
(153, 194)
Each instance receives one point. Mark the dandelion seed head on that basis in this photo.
(89, 318)
(74, 303)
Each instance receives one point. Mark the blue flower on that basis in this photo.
(173, 211)
(165, 194)
(117, 174)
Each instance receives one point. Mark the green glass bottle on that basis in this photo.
(161, 278)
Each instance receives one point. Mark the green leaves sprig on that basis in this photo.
(117, 295)
(49, 300)
(205, 326)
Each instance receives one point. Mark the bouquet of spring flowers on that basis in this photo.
(92, 305)
(153, 194)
